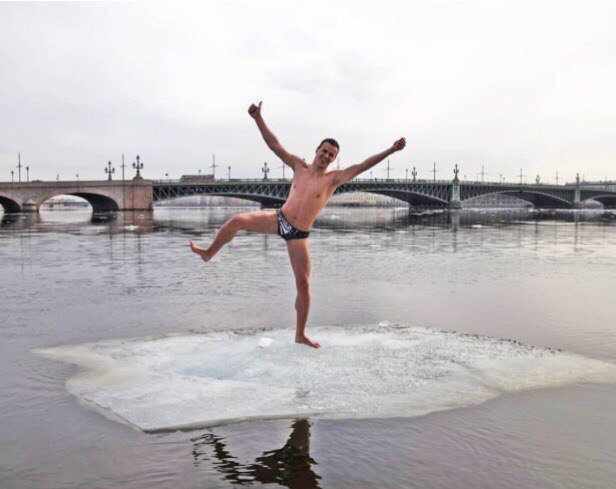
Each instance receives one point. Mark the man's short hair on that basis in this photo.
(331, 141)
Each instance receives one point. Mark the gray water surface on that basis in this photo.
(542, 279)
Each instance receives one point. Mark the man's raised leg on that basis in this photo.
(260, 221)
(299, 254)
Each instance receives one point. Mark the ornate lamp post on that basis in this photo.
(27, 174)
(414, 173)
(109, 171)
(77, 175)
(58, 178)
(229, 168)
(138, 166)
(12, 176)
(265, 170)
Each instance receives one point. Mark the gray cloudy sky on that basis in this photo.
(502, 85)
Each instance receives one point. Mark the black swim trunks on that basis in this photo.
(287, 231)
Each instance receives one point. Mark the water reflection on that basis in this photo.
(76, 221)
(204, 221)
(289, 466)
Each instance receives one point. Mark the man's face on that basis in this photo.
(326, 153)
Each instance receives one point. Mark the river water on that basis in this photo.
(471, 349)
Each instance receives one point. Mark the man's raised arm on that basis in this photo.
(351, 172)
(269, 138)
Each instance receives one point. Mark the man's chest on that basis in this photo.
(308, 186)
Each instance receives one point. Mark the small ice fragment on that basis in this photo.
(476, 226)
(265, 342)
(131, 227)
(384, 324)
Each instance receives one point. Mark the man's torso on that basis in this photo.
(310, 192)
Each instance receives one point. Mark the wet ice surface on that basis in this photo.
(198, 380)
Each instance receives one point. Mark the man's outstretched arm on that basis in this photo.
(269, 138)
(351, 172)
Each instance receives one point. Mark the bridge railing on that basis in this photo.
(288, 180)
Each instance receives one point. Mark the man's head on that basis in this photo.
(326, 152)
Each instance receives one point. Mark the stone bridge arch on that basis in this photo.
(98, 200)
(10, 204)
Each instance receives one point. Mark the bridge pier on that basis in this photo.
(455, 202)
(29, 207)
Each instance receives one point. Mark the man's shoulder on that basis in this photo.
(301, 163)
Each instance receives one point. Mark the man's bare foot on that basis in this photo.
(202, 252)
(307, 341)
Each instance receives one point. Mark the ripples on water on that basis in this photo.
(544, 279)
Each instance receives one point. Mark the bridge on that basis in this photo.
(140, 194)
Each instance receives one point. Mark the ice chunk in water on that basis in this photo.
(265, 342)
(197, 380)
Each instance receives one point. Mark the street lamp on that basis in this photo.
(265, 170)
(12, 176)
(109, 171)
(137, 166)
(77, 175)
(167, 175)
(27, 174)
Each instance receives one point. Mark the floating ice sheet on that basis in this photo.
(198, 380)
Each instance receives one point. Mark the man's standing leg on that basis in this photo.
(260, 221)
(299, 254)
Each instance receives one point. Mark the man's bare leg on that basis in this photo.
(260, 221)
(299, 254)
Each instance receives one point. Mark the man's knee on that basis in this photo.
(303, 284)
(238, 222)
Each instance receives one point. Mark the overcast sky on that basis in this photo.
(499, 85)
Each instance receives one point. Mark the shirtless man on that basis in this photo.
(310, 192)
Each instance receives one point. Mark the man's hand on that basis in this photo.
(399, 145)
(255, 111)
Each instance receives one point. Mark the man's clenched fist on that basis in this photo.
(399, 144)
(255, 110)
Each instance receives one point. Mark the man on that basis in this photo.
(311, 190)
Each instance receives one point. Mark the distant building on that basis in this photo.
(352, 199)
(197, 178)
(604, 185)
